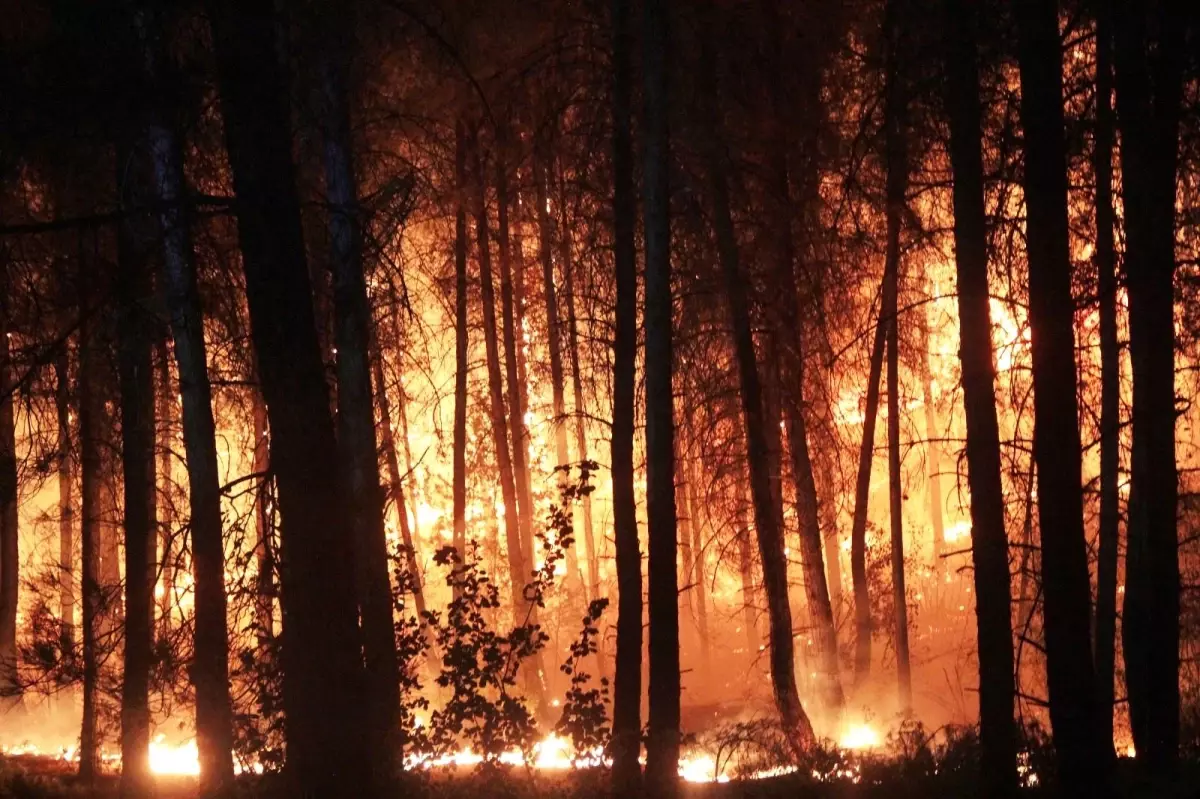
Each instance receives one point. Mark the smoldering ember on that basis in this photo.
(599, 398)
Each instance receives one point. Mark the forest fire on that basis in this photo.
(666, 391)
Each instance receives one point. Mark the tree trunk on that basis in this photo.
(1149, 62)
(461, 342)
(933, 454)
(91, 425)
(1083, 764)
(700, 576)
(264, 523)
(66, 500)
(356, 411)
(210, 670)
(627, 697)
(989, 538)
(165, 426)
(896, 160)
(322, 658)
(136, 370)
(797, 726)
(862, 496)
(1110, 377)
(662, 743)
(10, 571)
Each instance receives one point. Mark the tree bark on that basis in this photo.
(1110, 377)
(627, 697)
(66, 500)
(461, 342)
(135, 367)
(1149, 62)
(357, 449)
(10, 571)
(322, 656)
(1083, 761)
(989, 537)
(862, 495)
(796, 724)
(164, 427)
(210, 670)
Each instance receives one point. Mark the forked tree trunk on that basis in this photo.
(1084, 761)
(355, 404)
(136, 371)
(989, 537)
(627, 697)
(797, 726)
(323, 677)
(662, 743)
(1110, 377)
(210, 670)
(1150, 59)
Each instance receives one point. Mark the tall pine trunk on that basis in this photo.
(461, 342)
(357, 450)
(989, 537)
(322, 657)
(10, 573)
(1082, 755)
(797, 726)
(135, 366)
(662, 744)
(1110, 377)
(210, 669)
(627, 697)
(66, 498)
(1149, 62)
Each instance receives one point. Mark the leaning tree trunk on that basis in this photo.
(322, 658)
(1083, 759)
(789, 328)
(9, 527)
(896, 160)
(355, 407)
(797, 726)
(626, 735)
(1110, 378)
(989, 538)
(1149, 62)
(662, 743)
(135, 366)
(862, 495)
(210, 669)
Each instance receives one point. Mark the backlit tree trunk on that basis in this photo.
(66, 491)
(9, 528)
(355, 405)
(662, 744)
(1149, 63)
(210, 669)
(1082, 756)
(322, 657)
(627, 698)
(461, 342)
(989, 538)
(1110, 377)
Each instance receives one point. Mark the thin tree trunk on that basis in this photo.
(10, 572)
(700, 574)
(1083, 762)
(323, 675)
(165, 425)
(797, 726)
(862, 495)
(662, 744)
(210, 670)
(356, 412)
(136, 371)
(461, 342)
(627, 728)
(1110, 377)
(264, 523)
(91, 423)
(989, 538)
(896, 159)
(746, 573)
(933, 455)
(66, 500)
(1149, 62)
